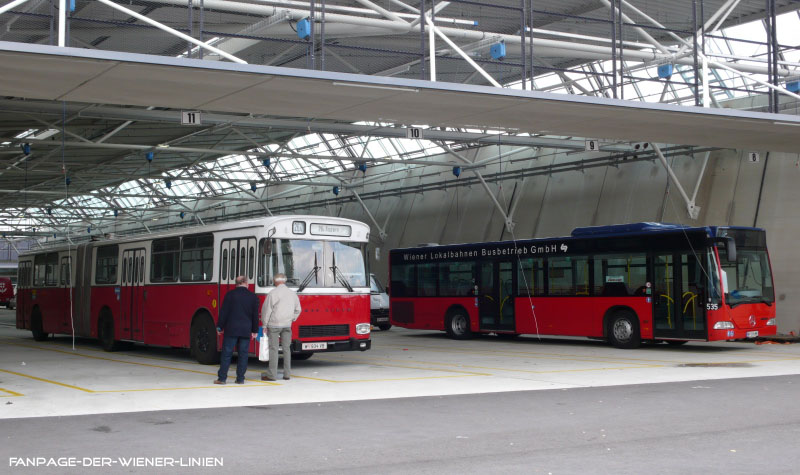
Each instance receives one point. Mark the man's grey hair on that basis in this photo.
(241, 280)
(281, 278)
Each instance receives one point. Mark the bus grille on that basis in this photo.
(314, 331)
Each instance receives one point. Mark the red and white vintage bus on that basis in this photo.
(623, 283)
(166, 289)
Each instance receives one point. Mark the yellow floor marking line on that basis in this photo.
(569, 357)
(470, 373)
(389, 379)
(102, 358)
(98, 350)
(217, 386)
(47, 381)
(535, 355)
(10, 393)
(535, 371)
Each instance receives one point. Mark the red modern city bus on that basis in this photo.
(166, 289)
(624, 283)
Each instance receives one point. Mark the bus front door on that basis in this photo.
(496, 296)
(237, 257)
(678, 297)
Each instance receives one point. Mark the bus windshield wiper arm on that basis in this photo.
(312, 273)
(337, 274)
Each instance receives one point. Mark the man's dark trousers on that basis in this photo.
(228, 344)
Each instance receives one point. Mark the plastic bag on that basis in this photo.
(263, 347)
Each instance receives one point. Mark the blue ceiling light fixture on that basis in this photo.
(457, 171)
(26, 148)
(498, 50)
(149, 156)
(168, 183)
(304, 29)
(253, 186)
(266, 162)
(67, 180)
(336, 190)
(50, 211)
(183, 214)
(363, 167)
(116, 213)
(89, 230)
(665, 71)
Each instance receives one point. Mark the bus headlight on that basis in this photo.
(723, 325)
(771, 321)
(363, 328)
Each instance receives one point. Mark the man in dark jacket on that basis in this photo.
(238, 320)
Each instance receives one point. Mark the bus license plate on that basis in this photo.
(321, 345)
(751, 334)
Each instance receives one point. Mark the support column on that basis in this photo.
(62, 23)
(694, 211)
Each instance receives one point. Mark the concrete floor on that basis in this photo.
(727, 426)
(49, 378)
(417, 402)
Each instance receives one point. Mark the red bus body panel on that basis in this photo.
(568, 316)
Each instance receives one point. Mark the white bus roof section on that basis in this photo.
(101, 77)
(360, 231)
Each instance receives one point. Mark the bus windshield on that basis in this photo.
(749, 279)
(312, 263)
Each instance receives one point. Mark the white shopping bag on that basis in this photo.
(263, 347)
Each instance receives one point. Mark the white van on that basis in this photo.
(379, 304)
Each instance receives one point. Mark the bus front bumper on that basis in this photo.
(352, 344)
(742, 333)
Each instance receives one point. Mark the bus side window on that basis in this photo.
(251, 262)
(404, 280)
(530, 281)
(233, 263)
(242, 262)
(224, 265)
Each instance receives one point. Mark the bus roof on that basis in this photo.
(265, 221)
(614, 230)
(646, 228)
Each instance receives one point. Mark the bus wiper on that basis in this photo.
(337, 274)
(312, 273)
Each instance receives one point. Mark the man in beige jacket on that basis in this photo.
(281, 308)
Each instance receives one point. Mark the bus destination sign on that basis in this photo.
(340, 230)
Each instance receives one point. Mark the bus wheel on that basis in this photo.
(36, 326)
(385, 326)
(301, 356)
(623, 330)
(676, 342)
(457, 325)
(204, 340)
(105, 332)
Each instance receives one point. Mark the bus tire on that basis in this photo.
(105, 331)
(623, 330)
(457, 325)
(301, 356)
(385, 326)
(37, 326)
(203, 336)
